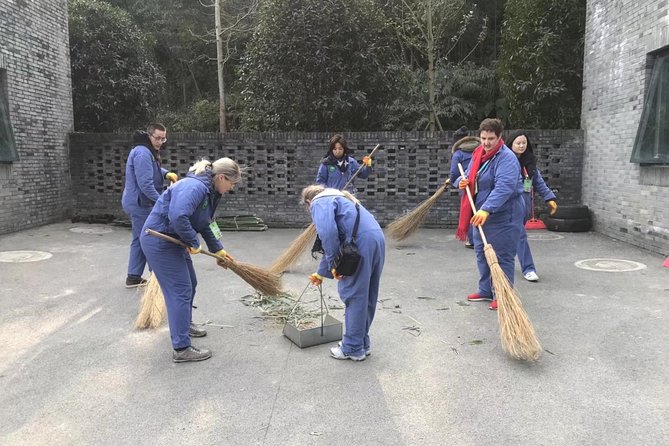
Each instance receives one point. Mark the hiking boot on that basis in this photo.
(367, 351)
(336, 353)
(493, 305)
(191, 354)
(195, 332)
(531, 276)
(476, 297)
(134, 281)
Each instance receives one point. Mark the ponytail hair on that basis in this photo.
(309, 192)
(225, 166)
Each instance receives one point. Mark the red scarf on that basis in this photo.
(479, 157)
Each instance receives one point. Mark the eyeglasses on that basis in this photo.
(162, 140)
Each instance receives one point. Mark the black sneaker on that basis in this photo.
(134, 281)
(191, 354)
(195, 332)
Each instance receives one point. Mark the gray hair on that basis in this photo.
(225, 166)
(309, 192)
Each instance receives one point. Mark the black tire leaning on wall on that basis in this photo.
(568, 225)
(571, 212)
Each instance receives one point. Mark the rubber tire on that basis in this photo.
(568, 225)
(572, 212)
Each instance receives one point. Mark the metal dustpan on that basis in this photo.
(330, 329)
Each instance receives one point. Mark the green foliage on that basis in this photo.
(201, 116)
(541, 63)
(115, 82)
(464, 96)
(315, 65)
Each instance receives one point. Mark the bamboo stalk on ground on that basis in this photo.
(259, 278)
(403, 227)
(516, 331)
(152, 309)
(307, 237)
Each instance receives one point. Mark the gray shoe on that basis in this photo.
(195, 332)
(367, 352)
(336, 353)
(191, 354)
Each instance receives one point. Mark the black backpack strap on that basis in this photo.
(357, 222)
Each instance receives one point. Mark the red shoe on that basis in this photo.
(476, 297)
(493, 305)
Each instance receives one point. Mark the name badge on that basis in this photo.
(215, 229)
(527, 184)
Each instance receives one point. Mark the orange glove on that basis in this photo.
(195, 250)
(173, 177)
(480, 217)
(463, 183)
(223, 263)
(367, 161)
(553, 206)
(316, 279)
(336, 276)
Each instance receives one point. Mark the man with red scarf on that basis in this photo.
(495, 182)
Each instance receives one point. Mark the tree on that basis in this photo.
(115, 81)
(541, 62)
(428, 33)
(316, 66)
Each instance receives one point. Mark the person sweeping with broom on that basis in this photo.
(462, 151)
(338, 167)
(494, 180)
(532, 182)
(340, 220)
(182, 211)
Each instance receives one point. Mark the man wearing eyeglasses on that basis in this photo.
(144, 182)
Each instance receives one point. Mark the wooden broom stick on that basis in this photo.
(259, 278)
(516, 330)
(307, 237)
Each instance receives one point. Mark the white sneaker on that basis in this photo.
(531, 276)
(367, 352)
(336, 353)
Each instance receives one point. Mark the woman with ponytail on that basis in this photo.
(183, 211)
(336, 214)
(493, 179)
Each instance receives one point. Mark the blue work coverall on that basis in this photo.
(499, 192)
(334, 217)
(185, 209)
(144, 182)
(329, 175)
(524, 254)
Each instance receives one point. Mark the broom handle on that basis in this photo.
(471, 202)
(183, 245)
(360, 168)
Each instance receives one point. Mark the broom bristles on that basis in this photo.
(294, 251)
(404, 226)
(267, 282)
(516, 330)
(152, 308)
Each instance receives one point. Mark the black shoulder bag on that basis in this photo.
(347, 261)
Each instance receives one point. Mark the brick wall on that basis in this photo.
(629, 202)
(410, 167)
(34, 50)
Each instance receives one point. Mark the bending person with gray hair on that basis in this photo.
(183, 211)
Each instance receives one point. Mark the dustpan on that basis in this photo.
(666, 263)
(330, 329)
(534, 223)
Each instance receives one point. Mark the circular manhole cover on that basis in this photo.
(543, 236)
(91, 230)
(610, 265)
(23, 256)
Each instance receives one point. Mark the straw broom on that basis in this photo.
(516, 330)
(259, 278)
(152, 309)
(307, 237)
(402, 227)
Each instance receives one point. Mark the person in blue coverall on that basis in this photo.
(182, 211)
(144, 181)
(338, 166)
(533, 182)
(462, 150)
(494, 180)
(334, 214)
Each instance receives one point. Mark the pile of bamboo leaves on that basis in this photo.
(279, 308)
